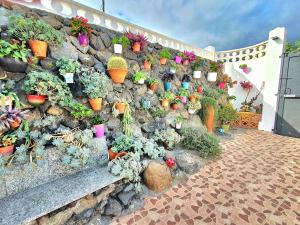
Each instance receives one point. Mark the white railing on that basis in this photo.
(70, 8)
(243, 54)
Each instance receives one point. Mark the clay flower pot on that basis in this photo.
(192, 98)
(118, 75)
(178, 59)
(163, 61)
(8, 150)
(165, 103)
(147, 65)
(113, 155)
(174, 106)
(83, 39)
(209, 123)
(14, 124)
(136, 47)
(39, 48)
(100, 130)
(185, 62)
(12, 65)
(96, 103)
(36, 100)
(120, 106)
(153, 87)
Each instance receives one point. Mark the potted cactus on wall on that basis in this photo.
(36, 32)
(120, 44)
(138, 41)
(81, 29)
(139, 77)
(67, 68)
(117, 69)
(164, 56)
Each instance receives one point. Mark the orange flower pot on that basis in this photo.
(113, 155)
(163, 61)
(120, 106)
(136, 47)
(153, 87)
(15, 124)
(118, 75)
(210, 119)
(39, 48)
(147, 65)
(96, 103)
(165, 103)
(174, 106)
(8, 150)
(193, 98)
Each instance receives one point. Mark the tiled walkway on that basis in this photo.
(256, 181)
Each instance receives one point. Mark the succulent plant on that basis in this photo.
(116, 62)
(9, 115)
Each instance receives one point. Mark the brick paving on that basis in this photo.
(256, 180)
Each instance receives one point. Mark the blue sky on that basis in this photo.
(225, 24)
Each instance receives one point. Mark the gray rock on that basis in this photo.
(86, 59)
(189, 163)
(106, 39)
(75, 42)
(113, 208)
(103, 56)
(129, 187)
(129, 54)
(136, 204)
(67, 50)
(4, 16)
(70, 122)
(126, 197)
(51, 20)
(152, 126)
(100, 67)
(128, 84)
(96, 43)
(118, 87)
(141, 90)
(113, 124)
(100, 220)
(85, 214)
(13, 76)
(48, 64)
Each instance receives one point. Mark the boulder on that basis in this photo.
(103, 56)
(99, 67)
(67, 50)
(51, 20)
(75, 42)
(96, 43)
(157, 177)
(86, 59)
(188, 162)
(55, 111)
(152, 126)
(128, 54)
(48, 64)
(106, 39)
(126, 197)
(113, 208)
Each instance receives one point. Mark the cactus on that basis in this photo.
(116, 62)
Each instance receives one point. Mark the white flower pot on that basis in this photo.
(118, 48)
(172, 70)
(192, 111)
(69, 78)
(212, 76)
(197, 74)
(178, 125)
(141, 81)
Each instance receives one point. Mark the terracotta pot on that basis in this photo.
(174, 106)
(8, 150)
(96, 103)
(118, 75)
(113, 155)
(147, 65)
(36, 100)
(185, 62)
(15, 124)
(39, 48)
(120, 106)
(192, 98)
(210, 117)
(165, 103)
(120, 154)
(12, 65)
(153, 87)
(163, 61)
(136, 47)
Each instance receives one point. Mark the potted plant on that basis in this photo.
(186, 79)
(11, 118)
(119, 107)
(120, 146)
(193, 107)
(120, 43)
(139, 77)
(173, 67)
(138, 41)
(168, 138)
(212, 75)
(67, 68)
(13, 57)
(183, 94)
(165, 98)
(95, 86)
(167, 78)
(178, 122)
(196, 70)
(149, 60)
(98, 125)
(178, 58)
(8, 98)
(164, 56)
(226, 115)
(175, 104)
(194, 97)
(209, 107)
(245, 68)
(81, 29)
(117, 69)
(188, 57)
(7, 144)
(38, 34)
(153, 84)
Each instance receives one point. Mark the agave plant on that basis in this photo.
(9, 115)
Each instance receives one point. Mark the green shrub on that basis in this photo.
(227, 114)
(116, 62)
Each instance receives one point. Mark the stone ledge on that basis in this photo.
(36, 202)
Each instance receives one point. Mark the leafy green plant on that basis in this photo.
(180, 54)
(169, 138)
(151, 59)
(16, 51)
(152, 81)
(123, 40)
(67, 66)
(164, 53)
(213, 93)
(123, 143)
(160, 113)
(116, 62)
(167, 95)
(227, 114)
(213, 67)
(139, 76)
(95, 84)
(292, 47)
(79, 25)
(96, 119)
(183, 92)
(197, 65)
(173, 65)
(33, 29)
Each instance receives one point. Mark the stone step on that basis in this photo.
(33, 203)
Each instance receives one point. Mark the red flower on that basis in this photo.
(246, 85)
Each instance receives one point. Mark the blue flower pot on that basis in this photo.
(167, 86)
(186, 85)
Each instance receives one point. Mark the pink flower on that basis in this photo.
(246, 85)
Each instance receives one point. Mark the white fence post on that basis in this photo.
(274, 50)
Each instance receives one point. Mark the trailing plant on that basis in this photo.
(168, 77)
(141, 38)
(164, 53)
(189, 55)
(33, 29)
(123, 40)
(79, 25)
(186, 78)
(169, 137)
(151, 59)
(116, 62)
(167, 95)
(95, 84)
(227, 114)
(67, 66)
(183, 92)
(137, 76)
(17, 51)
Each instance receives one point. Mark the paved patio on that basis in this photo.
(255, 181)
